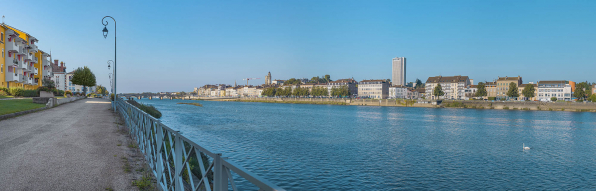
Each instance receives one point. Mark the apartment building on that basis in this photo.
(561, 89)
(398, 92)
(22, 63)
(413, 94)
(350, 83)
(453, 86)
(491, 89)
(377, 89)
(521, 89)
(503, 85)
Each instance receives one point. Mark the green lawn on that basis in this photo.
(1, 96)
(16, 105)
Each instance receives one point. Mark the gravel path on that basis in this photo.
(70, 147)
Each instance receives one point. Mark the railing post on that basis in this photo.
(220, 176)
(158, 161)
(178, 163)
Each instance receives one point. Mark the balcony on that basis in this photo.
(12, 77)
(34, 70)
(33, 48)
(45, 62)
(34, 59)
(22, 65)
(12, 47)
(29, 81)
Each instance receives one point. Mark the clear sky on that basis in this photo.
(175, 46)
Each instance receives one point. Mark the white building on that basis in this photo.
(398, 74)
(377, 89)
(453, 86)
(470, 92)
(398, 92)
(560, 89)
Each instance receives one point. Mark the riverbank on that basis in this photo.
(467, 104)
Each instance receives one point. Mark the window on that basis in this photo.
(3, 53)
(2, 40)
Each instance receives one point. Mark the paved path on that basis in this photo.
(69, 147)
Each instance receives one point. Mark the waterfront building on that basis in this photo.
(470, 92)
(561, 89)
(413, 93)
(491, 89)
(453, 86)
(309, 86)
(594, 89)
(398, 92)
(22, 63)
(350, 83)
(206, 90)
(398, 71)
(503, 85)
(421, 92)
(521, 89)
(378, 89)
(268, 79)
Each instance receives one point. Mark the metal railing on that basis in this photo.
(177, 162)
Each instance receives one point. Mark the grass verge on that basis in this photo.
(18, 105)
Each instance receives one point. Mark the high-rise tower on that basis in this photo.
(398, 72)
(268, 79)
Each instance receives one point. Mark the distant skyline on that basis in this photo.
(176, 46)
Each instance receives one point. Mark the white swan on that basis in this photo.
(524, 146)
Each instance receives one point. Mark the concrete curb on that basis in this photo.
(11, 115)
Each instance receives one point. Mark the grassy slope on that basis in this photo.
(16, 105)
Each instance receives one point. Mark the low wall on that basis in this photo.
(527, 105)
(66, 100)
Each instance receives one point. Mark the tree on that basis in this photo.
(292, 81)
(529, 91)
(84, 77)
(513, 91)
(481, 92)
(342, 91)
(593, 98)
(48, 83)
(101, 90)
(438, 91)
(327, 78)
(553, 99)
(319, 91)
(419, 83)
(580, 90)
(269, 92)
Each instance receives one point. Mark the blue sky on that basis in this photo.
(175, 46)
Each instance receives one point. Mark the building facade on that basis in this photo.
(470, 92)
(453, 86)
(377, 89)
(503, 85)
(22, 63)
(560, 89)
(398, 92)
(398, 71)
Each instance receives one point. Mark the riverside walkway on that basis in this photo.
(75, 146)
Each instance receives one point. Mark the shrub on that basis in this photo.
(68, 92)
(492, 98)
(553, 99)
(5, 90)
(112, 97)
(16, 91)
(506, 107)
(43, 88)
(149, 109)
(455, 104)
(30, 93)
(3, 93)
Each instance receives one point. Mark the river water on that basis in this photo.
(328, 147)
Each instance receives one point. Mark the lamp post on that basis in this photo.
(105, 35)
(110, 62)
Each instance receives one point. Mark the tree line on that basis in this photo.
(317, 91)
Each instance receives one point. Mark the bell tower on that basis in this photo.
(268, 79)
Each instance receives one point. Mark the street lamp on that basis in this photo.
(105, 35)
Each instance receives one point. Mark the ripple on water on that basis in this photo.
(321, 147)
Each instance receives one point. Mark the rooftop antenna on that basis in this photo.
(2, 19)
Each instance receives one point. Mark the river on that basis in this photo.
(329, 147)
